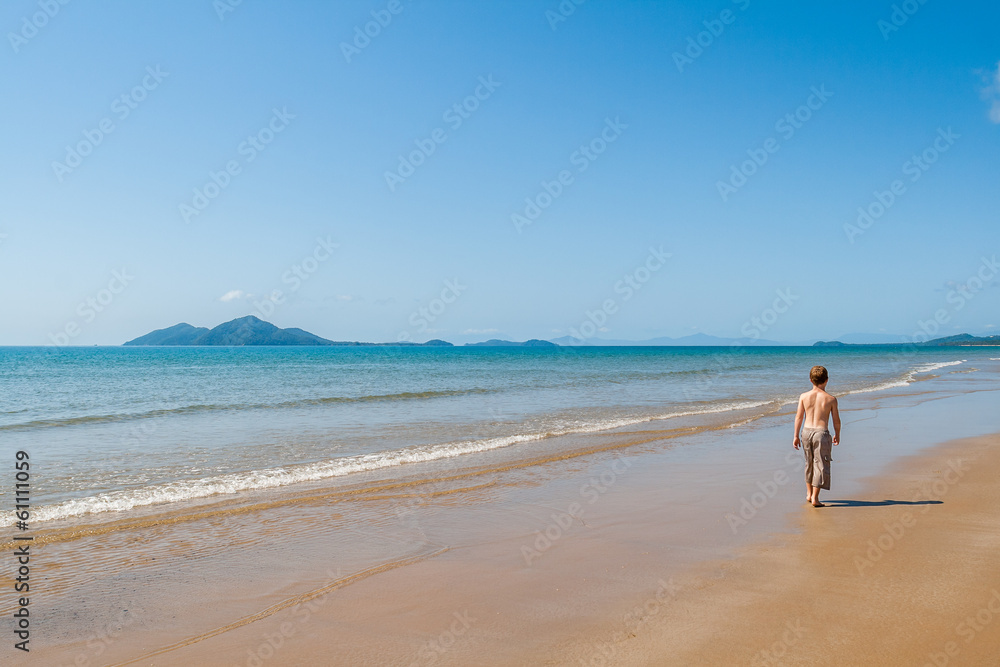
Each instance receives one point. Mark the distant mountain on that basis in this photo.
(179, 334)
(693, 340)
(966, 339)
(493, 342)
(947, 341)
(251, 330)
(248, 330)
(305, 336)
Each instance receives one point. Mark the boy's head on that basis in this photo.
(819, 376)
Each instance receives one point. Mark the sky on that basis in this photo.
(411, 169)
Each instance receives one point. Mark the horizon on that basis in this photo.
(570, 341)
(629, 172)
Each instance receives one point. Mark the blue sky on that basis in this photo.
(641, 109)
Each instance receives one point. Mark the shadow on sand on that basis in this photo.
(878, 503)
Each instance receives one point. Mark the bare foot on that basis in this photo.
(818, 504)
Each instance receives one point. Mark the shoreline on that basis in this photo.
(379, 579)
(187, 450)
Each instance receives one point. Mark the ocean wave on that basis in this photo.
(927, 368)
(212, 407)
(908, 378)
(128, 499)
(663, 375)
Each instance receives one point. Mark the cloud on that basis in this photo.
(480, 331)
(331, 298)
(233, 295)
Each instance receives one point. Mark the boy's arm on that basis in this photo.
(836, 423)
(800, 415)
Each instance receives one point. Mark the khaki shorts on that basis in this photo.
(817, 445)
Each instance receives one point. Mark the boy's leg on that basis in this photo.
(817, 470)
(826, 452)
(807, 451)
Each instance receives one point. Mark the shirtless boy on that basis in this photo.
(815, 408)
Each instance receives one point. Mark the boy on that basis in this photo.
(815, 407)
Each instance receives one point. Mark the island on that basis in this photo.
(250, 330)
(959, 340)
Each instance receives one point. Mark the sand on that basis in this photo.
(653, 567)
(907, 573)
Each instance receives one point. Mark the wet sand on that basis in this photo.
(652, 549)
(907, 572)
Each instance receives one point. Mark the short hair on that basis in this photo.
(818, 375)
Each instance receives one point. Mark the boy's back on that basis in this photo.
(817, 405)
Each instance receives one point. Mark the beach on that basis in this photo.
(671, 541)
(474, 334)
(906, 575)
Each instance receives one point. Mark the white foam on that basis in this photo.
(880, 387)
(927, 368)
(127, 499)
(908, 379)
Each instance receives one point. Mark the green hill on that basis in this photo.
(248, 330)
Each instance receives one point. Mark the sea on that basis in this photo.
(112, 430)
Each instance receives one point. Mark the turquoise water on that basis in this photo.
(114, 429)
